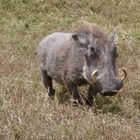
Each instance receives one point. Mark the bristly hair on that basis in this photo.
(91, 29)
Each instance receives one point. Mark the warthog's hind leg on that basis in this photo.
(47, 81)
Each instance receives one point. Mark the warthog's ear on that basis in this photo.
(113, 38)
(80, 39)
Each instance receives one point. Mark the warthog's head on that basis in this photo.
(100, 60)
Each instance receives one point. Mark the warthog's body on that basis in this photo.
(74, 59)
(57, 54)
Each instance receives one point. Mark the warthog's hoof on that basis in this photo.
(51, 94)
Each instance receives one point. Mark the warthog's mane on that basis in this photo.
(89, 29)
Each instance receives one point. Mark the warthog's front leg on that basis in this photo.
(72, 89)
(91, 95)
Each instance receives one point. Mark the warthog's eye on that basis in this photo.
(92, 50)
(114, 52)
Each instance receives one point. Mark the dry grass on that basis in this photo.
(25, 111)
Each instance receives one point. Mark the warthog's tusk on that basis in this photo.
(93, 75)
(125, 74)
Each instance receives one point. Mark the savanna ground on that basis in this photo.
(25, 111)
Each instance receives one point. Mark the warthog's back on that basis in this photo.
(54, 39)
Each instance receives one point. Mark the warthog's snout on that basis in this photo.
(112, 90)
(109, 92)
(108, 87)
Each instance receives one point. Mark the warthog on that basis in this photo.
(87, 56)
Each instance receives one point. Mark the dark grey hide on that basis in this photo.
(71, 59)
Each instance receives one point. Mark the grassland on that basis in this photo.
(25, 111)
